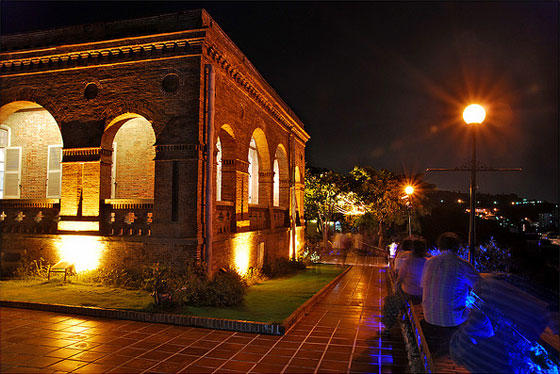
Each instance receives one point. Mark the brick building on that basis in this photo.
(146, 140)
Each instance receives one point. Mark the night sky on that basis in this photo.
(384, 84)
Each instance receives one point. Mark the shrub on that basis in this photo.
(254, 276)
(282, 266)
(159, 280)
(227, 288)
(31, 268)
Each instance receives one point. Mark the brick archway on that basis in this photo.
(130, 138)
(31, 150)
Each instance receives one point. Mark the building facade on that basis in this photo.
(150, 140)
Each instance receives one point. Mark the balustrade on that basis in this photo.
(224, 218)
(127, 217)
(259, 218)
(281, 217)
(38, 216)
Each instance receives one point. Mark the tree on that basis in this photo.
(382, 194)
(323, 191)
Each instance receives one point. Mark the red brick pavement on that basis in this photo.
(339, 335)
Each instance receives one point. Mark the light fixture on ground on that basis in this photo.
(473, 115)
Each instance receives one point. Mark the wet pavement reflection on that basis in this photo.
(339, 335)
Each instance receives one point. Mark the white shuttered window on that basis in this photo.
(54, 171)
(12, 173)
(3, 146)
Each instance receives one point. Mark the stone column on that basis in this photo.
(178, 192)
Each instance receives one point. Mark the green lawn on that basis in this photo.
(276, 299)
(270, 301)
(75, 293)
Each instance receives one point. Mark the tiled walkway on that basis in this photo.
(339, 335)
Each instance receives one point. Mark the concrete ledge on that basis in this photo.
(182, 320)
(175, 319)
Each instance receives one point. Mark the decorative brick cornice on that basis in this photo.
(84, 154)
(99, 56)
(178, 151)
(234, 73)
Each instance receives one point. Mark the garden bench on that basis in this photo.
(66, 267)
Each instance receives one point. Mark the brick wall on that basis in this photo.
(135, 160)
(115, 252)
(34, 131)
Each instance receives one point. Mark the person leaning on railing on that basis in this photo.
(410, 273)
(402, 254)
(446, 282)
(407, 287)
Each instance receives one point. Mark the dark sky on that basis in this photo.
(385, 83)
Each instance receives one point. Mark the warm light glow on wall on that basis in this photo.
(78, 226)
(81, 250)
(242, 253)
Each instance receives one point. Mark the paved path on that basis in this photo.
(339, 335)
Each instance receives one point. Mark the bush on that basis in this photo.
(254, 276)
(282, 266)
(226, 288)
(32, 268)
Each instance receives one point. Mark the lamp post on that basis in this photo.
(473, 115)
(409, 190)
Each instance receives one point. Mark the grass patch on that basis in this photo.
(75, 293)
(270, 301)
(275, 299)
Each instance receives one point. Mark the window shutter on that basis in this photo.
(12, 173)
(114, 172)
(54, 171)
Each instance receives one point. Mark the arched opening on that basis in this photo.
(225, 164)
(219, 170)
(281, 180)
(30, 152)
(276, 184)
(131, 139)
(299, 191)
(259, 170)
(253, 185)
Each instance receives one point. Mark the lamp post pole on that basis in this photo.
(473, 115)
(409, 227)
(409, 190)
(472, 216)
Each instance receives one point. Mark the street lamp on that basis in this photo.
(474, 114)
(409, 190)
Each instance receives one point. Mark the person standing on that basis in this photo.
(446, 282)
(407, 287)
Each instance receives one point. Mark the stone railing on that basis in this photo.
(39, 216)
(224, 218)
(280, 217)
(127, 217)
(259, 217)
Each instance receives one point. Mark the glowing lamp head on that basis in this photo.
(474, 113)
(409, 190)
